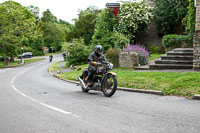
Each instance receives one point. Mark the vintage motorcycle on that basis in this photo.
(103, 80)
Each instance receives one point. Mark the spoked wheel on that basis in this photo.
(109, 85)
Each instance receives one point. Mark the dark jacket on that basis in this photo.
(93, 57)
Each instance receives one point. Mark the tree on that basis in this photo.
(85, 24)
(104, 32)
(53, 35)
(67, 24)
(169, 13)
(67, 27)
(16, 25)
(133, 17)
(35, 11)
(48, 17)
(53, 32)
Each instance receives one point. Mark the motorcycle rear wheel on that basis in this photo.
(111, 81)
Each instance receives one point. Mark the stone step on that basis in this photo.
(176, 57)
(186, 62)
(146, 67)
(169, 66)
(183, 50)
(180, 53)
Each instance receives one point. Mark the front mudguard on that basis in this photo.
(105, 78)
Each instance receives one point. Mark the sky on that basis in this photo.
(64, 9)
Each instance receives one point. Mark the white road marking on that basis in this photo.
(36, 101)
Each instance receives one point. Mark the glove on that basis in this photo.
(94, 63)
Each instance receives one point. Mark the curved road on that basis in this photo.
(32, 101)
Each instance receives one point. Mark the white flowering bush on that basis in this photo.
(133, 17)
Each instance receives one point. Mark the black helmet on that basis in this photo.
(98, 50)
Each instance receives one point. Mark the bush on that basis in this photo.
(154, 49)
(37, 53)
(111, 40)
(143, 53)
(78, 53)
(133, 17)
(112, 54)
(174, 40)
(58, 47)
(28, 49)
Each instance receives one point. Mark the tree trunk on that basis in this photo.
(12, 58)
(6, 60)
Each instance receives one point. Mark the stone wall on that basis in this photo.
(149, 37)
(196, 41)
(128, 59)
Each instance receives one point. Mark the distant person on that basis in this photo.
(50, 58)
(64, 56)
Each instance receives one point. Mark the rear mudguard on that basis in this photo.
(105, 76)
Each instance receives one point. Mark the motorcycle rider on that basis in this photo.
(94, 58)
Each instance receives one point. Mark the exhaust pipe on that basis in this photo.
(82, 84)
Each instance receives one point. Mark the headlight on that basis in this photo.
(110, 66)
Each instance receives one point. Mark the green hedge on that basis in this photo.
(112, 54)
(174, 40)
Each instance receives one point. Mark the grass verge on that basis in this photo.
(18, 62)
(54, 67)
(170, 83)
(155, 56)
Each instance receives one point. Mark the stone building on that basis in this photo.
(149, 37)
(196, 42)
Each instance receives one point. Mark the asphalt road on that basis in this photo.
(32, 101)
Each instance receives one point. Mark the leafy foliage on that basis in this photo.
(85, 24)
(169, 13)
(17, 24)
(190, 18)
(48, 17)
(35, 11)
(155, 49)
(67, 27)
(112, 54)
(53, 35)
(104, 32)
(174, 40)
(133, 17)
(78, 52)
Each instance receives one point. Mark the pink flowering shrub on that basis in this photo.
(143, 53)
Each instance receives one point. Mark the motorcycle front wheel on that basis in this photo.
(109, 85)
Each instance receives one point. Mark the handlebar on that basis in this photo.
(104, 63)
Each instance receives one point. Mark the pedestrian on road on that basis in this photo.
(50, 58)
(64, 56)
